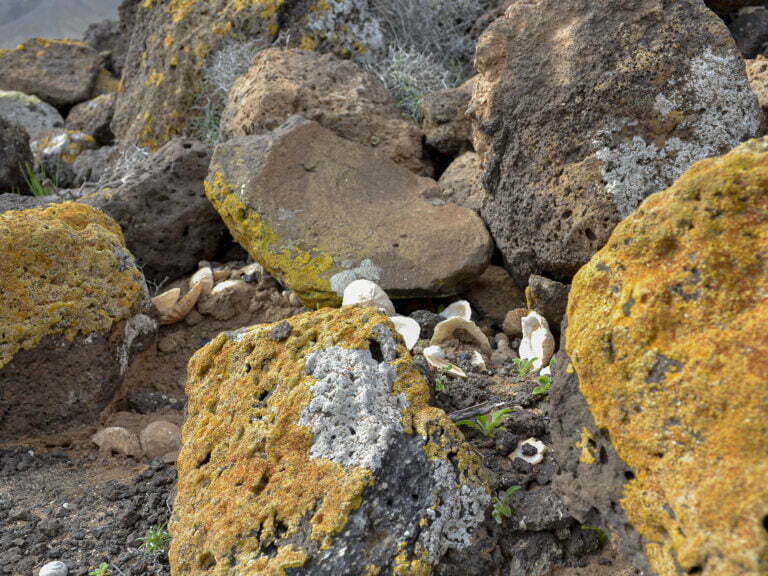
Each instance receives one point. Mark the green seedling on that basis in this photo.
(501, 507)
(602, 537)
(102, 570)
(441, 380)
(156, 540)
(524, 367)
(36, 181)
(545, 382)
(487, 424)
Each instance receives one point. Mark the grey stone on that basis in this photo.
(281, 332)
(446, 125)
(29, 112)
(14, 153)
(549, 298)
(93, 117)
(750, 30)
(56, 152)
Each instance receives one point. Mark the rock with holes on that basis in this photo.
(447, 127)
(318, 453)
(662, 406)
(582, 109)
(71, 311)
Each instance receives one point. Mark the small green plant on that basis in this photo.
(441, 380)
(545, 381)
(501, 507)
(102, 570)
(602, 537)
(37, 182)
(156, 540)
(524, 367)
(487, 424)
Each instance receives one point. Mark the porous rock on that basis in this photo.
(117, 440)
(169, 224)
(461, 183)
(447, 126)
(57, 151)
(71, 311)
(311, 467)
(93, 118)
(338, 94)
(29, 112)
(665, 337)
(60, 72)
(107, 37)
(93, 165)
(14, 154)
(583, 109)
(319, 212)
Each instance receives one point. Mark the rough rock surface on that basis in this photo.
(93, 118)
(107, 37)
(757, 72)
(29, 112)
(446, 124)
(14, 153)
(57, 151)
(731, 6)
(582, 110)
(320, 454)
(461, 183)
(338, 94)
(70, 311)
(93, 165)
(665, 337)
(318, 212)
(169, 224)
(12, 201)
(172, 41)
(549, 298)
(750, 30)
(60, 72)
(494, 293)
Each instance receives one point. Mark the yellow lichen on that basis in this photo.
(155, 78)
(667, 335)
(587, 457)
(61, 276)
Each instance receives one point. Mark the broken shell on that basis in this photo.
(251, 273)
(460, 309)
(478, 361)
(460, 329)
(166, 301)
(534, 458)
(367, 293)
(183, 307)
(408, 328)
(538, 342)
(513, 326)
(204, 277)
(221, 273)
(435, 357)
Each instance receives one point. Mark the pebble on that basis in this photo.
(57, 568)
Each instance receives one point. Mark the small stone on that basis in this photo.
(168, 344)
(281, 332)
(513, 322)
(116, 439)
(160, 438)
(57, 568)
(427, 320)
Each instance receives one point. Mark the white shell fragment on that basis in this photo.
(367, 293)
(435, 357)
(460, 329)
(173, 309)
(460, 309)
(537, 341)
(478, 361)
(408, 328)
(204, 277)
(533, 459)
(166, 301)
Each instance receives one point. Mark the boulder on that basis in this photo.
(549, 298)
(29, 112)
(93, 118)
(117, 440)
(338, 94)
(11, 201)
(750, 30)
(93, 165)
(60, 72)
(319, 212)
(71, 311)
(169, 224)
(583, 109)
(446, 124)
(14, 154)
(160, 438)
(664, 397)
(55, 154)
(757, 72)
(319, 454)
(726, 7)
(494, 293)
(461, 183)
(106, 37)
(173, 43)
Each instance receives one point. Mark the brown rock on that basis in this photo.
(549, 298)
(582, 109)
(14, 152)
(338, 94)
(117, 440)
(160, 438)
(93, 118)
(513, 322)
(461, 184)
(757, 72)
(60, 72)
(447, 126)
(494, 293)
(318, 212)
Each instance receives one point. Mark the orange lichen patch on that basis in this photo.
(247, 483)
(667, 335)
(63, 274)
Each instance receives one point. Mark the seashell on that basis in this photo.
(460, 329)
(460, 308)
(513, 326)
(435, 357)
(221, 273)
(408, 328)
(166, 301)
(204, 277)
(478, 361)
(183, 306)
(251, 273)
(367, 293)
(537, 341)
(533, 459)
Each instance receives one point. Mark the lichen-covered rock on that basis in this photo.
(582, 109)
(29, 112)
(93, 118)
(60, 72)
(14, 154)
(757, 72)
(172, 41)
(338, 94)
(55, 154)
(461, 183)
(319, 212)
(71, 309)
(169, 224)
(107, 37)
(318, 454)
(666, 338)
(447, 126)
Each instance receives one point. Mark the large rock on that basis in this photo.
(584, 108)
(461, 183)
(93, 118)
(750, 30)
(668, 350)
(70, 312)
(757, 72)
(29, 112)
(172, 42)
(725, 7)
(106, 37)
(169, 224)
(60, 72)
(319, 211)
(447, 126)
(338, 94)
(57, 151)
(318, 454)
(14, 154)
